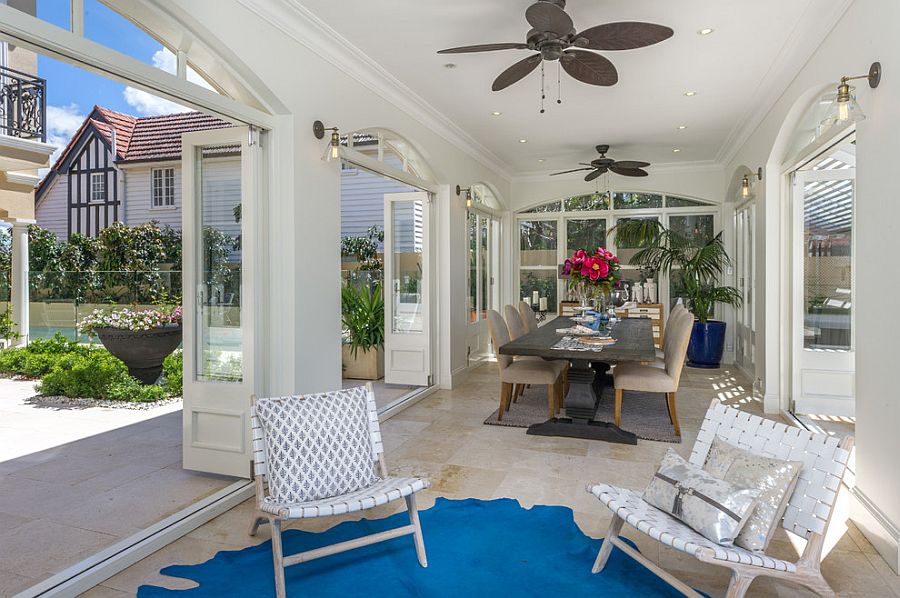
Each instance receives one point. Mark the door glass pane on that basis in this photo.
(595, 201)
(698, 229)
(538, 260)
(588, 234)
(827, 263)
(683, 202)
(541, 281)
(219, 338)
(545, 208)
(483, 263)
(626, 251)
(636, 201)
(406, 259)
(472, 279)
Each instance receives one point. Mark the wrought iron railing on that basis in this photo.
(23, 105)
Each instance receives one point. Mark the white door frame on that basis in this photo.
(216, 414)
(745, 270)
(822, 382)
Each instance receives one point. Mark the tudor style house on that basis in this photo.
(122, 168)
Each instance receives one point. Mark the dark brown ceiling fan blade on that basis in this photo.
(483, 48)
(589, 68)
(630, 164)
(568, 171)
(626, 35)
(516, 72)
(628, 171)
(593, 175)
(548, 17)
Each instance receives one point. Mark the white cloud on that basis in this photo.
(62, 123)
(147, 104)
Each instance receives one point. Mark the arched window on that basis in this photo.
(547, 233)
(390, 149)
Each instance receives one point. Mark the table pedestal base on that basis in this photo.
(581, 407)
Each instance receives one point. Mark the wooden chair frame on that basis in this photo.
(281, 561)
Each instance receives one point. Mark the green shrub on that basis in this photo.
(173, 369)
(12, 360)
(88, 376)
(127, 388)
(36, 365)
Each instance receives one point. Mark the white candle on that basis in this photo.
(526, 300)
(534, 297)
(543, 306)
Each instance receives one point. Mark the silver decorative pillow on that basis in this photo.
(714, 508)
(317, 446)
(775, 478)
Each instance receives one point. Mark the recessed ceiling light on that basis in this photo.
(540, 159)
(690, 94)
(682, 127)
(705, 31)
(496, 113)
(523, 141)
(676, 150)
(450, 65)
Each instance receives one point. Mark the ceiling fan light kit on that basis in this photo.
(554, 37)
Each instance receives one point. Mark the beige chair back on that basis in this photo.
(499, 337)
(677, 312)
(528, 317)
(513, 322)
(681, 336)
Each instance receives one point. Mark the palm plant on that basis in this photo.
(362, 316)
(700, 264)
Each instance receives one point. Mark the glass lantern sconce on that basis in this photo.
(468, 192)
(844, 109)
(333, 151)
(745, 182)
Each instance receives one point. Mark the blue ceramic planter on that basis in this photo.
(707, 344)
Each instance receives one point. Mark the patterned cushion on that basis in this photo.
(715, 508)
(775, 478)
(317, 446)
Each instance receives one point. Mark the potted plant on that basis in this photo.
(700, 266)
(362, 316)
(141, 338)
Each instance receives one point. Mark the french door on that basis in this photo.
(745, 270)
(219, 210)
(823, 323)
(407, 307)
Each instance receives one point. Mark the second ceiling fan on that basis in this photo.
(602, 165)
(554, 37)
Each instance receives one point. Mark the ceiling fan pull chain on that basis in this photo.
(543, 88)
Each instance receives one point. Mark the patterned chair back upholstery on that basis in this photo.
(259, 447)
(824, 460)
(513, 322)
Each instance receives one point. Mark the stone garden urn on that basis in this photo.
(142, 351)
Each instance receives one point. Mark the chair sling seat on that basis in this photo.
(667, 530)
(379, 493)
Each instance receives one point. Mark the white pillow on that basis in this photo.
(317, 446)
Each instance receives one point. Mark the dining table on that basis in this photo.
(633, 343)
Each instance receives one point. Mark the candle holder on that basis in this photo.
(541, 313)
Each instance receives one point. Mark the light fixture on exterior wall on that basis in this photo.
(468, 192)
(844, 109)
(745, 182)
(333, 152)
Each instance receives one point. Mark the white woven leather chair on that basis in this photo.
(807, 515)
(647, 378)
(289, 435)
(523, 372)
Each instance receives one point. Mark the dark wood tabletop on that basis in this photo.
(634, 342)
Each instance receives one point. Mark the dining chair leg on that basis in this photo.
(506, 390)
(618, 411)
(551, 400)
(673, 414)
(517, 390)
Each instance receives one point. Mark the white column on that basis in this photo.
(19, 279)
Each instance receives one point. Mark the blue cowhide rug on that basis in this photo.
(475, 548)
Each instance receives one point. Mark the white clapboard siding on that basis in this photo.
(362, 200)
(52, 211)
(138, 205)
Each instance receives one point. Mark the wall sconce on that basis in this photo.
(745, 182)
(844, 108)
(333, 151)
(468, 192)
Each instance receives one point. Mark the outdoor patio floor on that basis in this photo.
(74, 481)
(443, 437)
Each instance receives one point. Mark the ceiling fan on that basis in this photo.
(602, 165)
(554, 37)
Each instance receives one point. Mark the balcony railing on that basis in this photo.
(23, 105)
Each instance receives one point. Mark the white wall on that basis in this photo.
(867, 32)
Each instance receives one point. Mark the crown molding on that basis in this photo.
(807, 36)
(537, 176)
(302, 25)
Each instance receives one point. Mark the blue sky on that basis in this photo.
(72, 92)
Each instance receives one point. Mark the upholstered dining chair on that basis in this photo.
(673, 315)
(532, 371)
(808, 514)
(646, 378)
(529, 319)
(515, 323)
(321, 455)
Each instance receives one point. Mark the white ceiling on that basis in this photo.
(731, 70)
